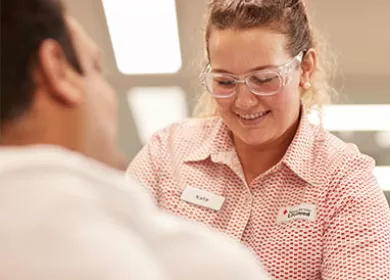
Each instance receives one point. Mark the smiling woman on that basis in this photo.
(272, 180)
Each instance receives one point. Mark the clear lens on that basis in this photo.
(264, 83)
(259, 83)
(220, 85)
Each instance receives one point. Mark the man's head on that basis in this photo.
(52, 87)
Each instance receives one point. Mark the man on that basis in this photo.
(65, 211)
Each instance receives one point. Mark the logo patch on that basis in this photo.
(304, 211)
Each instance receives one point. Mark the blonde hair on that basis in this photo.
(287, 17)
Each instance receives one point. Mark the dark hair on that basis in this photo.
(25, 24)
(288, 17)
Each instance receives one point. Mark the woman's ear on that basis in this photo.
(308, 65)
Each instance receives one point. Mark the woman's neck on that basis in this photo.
(257, 159)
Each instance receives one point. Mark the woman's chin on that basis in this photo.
(254, 138)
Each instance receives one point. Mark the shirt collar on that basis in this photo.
(217, 143)
(218, 146)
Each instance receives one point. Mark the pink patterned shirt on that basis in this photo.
(318, 214)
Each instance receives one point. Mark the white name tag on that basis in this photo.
(202, 198)
(304, 211)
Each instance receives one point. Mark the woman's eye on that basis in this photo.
(262, 80)
(226, 82)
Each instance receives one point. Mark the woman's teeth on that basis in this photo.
(253, 116)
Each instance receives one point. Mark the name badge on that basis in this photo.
(202, 198)
(304, 211)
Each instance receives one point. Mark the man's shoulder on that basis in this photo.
(62, 208)
(68, 194)
(49, 160)
(63, 176)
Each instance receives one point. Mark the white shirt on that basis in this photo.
(63, 216)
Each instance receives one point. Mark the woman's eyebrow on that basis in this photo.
(221, 70)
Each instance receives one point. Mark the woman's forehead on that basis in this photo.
(239, 51)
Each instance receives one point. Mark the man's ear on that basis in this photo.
(308, 66)
(63, 81)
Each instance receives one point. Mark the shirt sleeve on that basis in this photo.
(145, 167)
(357, 236)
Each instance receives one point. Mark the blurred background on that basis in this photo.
(153, 52)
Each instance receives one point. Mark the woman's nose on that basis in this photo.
(245, 99)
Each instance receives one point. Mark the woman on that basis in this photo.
(254, 167)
